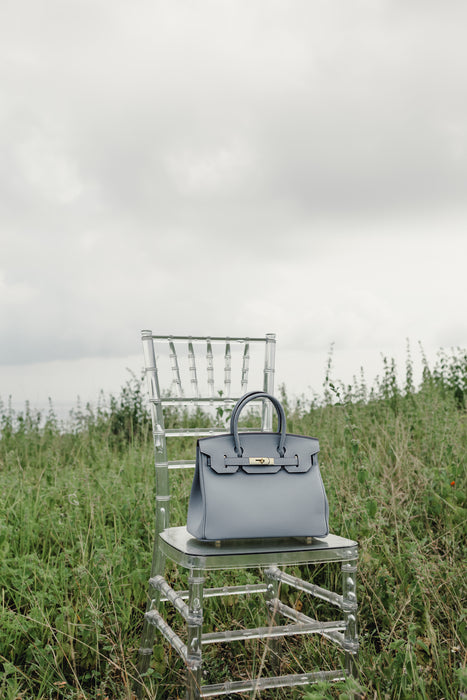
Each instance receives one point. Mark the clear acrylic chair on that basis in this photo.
(193, 382)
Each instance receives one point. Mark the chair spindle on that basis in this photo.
(192, 367)
(227, 369)
(175, 368)
(210, 368)
(245, 367)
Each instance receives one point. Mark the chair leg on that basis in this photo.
(194, 628)
(349, 606)
(149, 631)
(147, 639)
(271, 595)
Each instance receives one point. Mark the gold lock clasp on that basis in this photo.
(261, 460)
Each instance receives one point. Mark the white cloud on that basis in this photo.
(15, 294)
(213, 172)
(298, 168)
(48, 169)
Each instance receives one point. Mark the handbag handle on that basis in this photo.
(250, 396)
(240, 405)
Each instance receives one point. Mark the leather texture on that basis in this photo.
(235, 496)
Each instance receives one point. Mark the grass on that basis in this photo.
(76, 521)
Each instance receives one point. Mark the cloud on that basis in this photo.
(227, 166)
(342, 113)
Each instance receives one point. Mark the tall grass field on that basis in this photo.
(76, 528)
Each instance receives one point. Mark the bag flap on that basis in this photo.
(260, 455)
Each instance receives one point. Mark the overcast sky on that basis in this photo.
(239, 167)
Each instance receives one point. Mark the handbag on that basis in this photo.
(257, 484)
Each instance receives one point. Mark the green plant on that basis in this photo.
(76, 524)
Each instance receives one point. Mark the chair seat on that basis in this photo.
(187, 551)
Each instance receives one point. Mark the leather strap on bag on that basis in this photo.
(252, 396)
(240, 405)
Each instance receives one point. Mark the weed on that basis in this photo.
(76, 523)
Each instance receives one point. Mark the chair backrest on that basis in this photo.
(207, 373)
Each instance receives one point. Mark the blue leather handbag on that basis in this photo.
(257, 484)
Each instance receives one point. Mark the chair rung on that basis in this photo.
(277, 606)
(209, 691)
(181, 464)
(194, 432)
(193, 401)
(168, 593)
(154, 618)
(201, 432)
(224, 591)
(314, 627)
(306, 587)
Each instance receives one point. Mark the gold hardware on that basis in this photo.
(261, 460)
